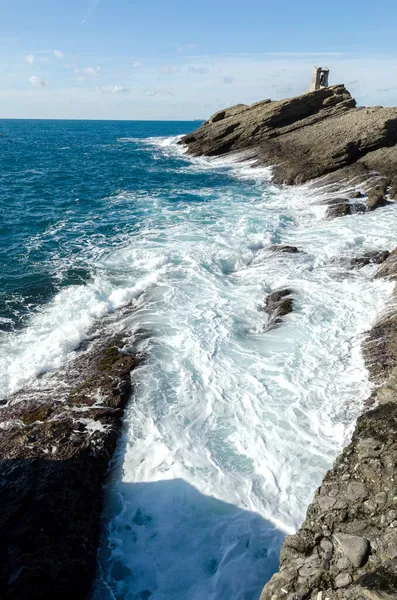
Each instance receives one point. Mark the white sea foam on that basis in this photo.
(232, 427)
(224, 410)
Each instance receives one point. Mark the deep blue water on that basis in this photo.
(56, 178)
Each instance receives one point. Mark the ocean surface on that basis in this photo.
(232, 425)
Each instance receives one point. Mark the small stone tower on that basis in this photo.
(319, 78)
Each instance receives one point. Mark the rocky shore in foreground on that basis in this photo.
(347, 545)
(57, 437)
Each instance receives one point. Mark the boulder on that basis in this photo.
(376, 198)
(353, 547)
(338, 207)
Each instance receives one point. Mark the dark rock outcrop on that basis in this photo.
(56, 440)
(305, 137)
(278, 304)
(283, 248)
(376, 257)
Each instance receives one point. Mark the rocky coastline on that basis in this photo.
(58, 435)
(347, 545)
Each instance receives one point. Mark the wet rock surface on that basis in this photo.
(278, 304)
(375, 257)
(56, 439)
(284, 248)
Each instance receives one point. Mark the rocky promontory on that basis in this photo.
(347, 545)
(307, 137)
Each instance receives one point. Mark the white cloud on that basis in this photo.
(58, 54)
(87, 72)
(29, 59)
(168, 70)
(113, 89)
(137, 64)
(35, 80)
(157, 92)
(228, 79)
(198, 70)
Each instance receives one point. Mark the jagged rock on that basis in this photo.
(305, 137)
(389, 266)
(338, 207)
(376, 198)
(278, 304)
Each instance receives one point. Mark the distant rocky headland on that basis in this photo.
(58, 435)
(347, 546)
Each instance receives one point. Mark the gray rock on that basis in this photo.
(376, 198)
(306, 137)
(381, 498)
(278, 304)
(326, 503)
(326, 545)
(355, 548)
(342, 563)
(309, 570)
(343, 580)
(356, 491)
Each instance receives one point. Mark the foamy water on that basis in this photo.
(232, 426)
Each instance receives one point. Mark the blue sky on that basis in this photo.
(174, 59)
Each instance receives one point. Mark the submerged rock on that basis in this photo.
(283, 248)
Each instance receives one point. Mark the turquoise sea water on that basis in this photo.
(232, 425)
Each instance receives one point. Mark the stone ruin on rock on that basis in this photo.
(320, 76)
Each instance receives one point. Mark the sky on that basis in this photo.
(186, 59)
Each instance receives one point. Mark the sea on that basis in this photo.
(232, 424)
